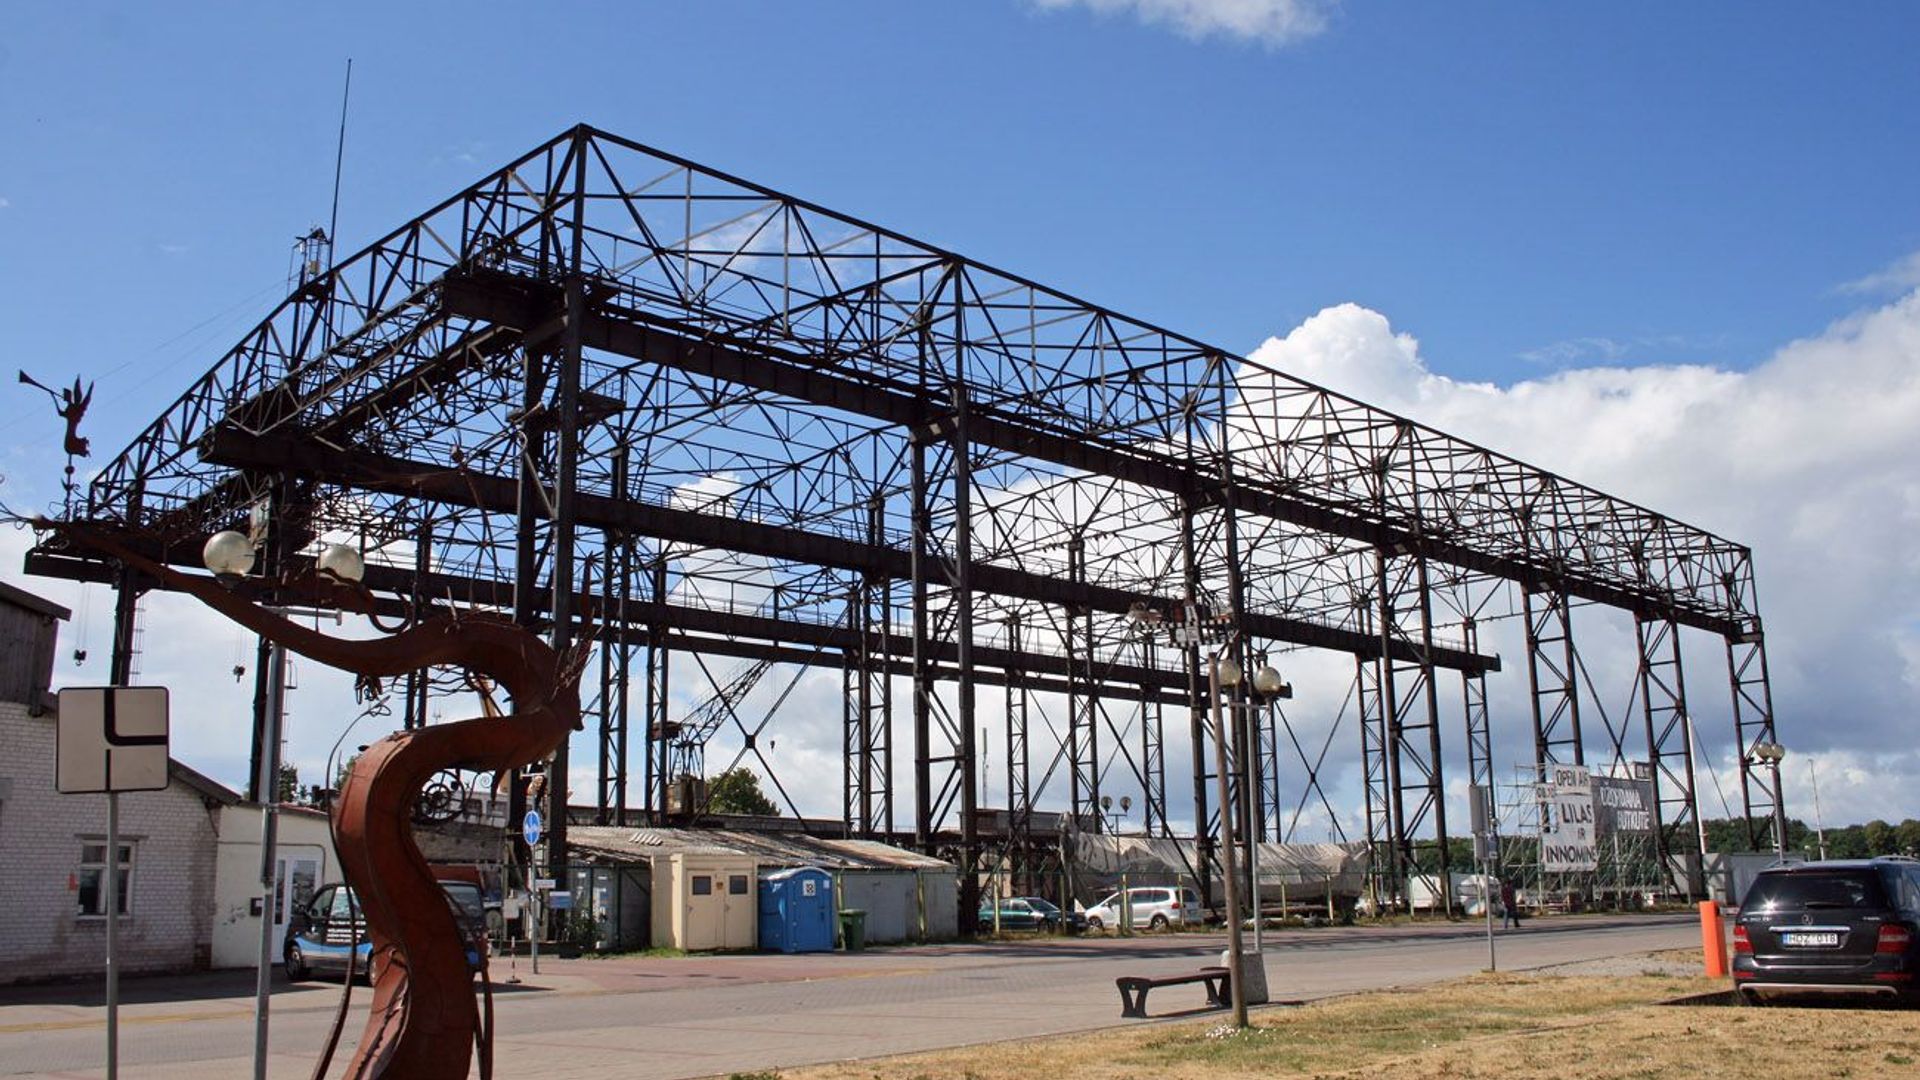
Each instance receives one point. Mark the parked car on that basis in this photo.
(1153, 907)
(1017, 913)
(1072, 920)
(329, 928)
(1836, 928)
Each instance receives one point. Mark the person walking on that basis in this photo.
(1510, 906)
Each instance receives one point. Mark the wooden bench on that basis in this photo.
(1133, 988)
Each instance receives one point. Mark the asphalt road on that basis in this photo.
(700, 1016)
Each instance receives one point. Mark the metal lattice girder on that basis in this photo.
(1411, 710)
(689, 268)
(1552, 678)
(869, 666)
(603, 347)
(613, 696)
(1385, 874)
(1473, 694)
(1663, 700)
(1753, 725)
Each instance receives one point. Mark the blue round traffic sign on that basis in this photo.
(530, 827)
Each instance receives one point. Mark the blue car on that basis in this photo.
(329, 927)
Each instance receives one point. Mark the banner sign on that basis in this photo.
(1567, 840)
(1622, 806)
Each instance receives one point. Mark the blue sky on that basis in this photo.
(1520, 185)
(1530, 190)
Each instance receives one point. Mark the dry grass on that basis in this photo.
(1567, 1028)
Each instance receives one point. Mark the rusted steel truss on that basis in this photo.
(792, 426)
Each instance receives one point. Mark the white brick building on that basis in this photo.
(53, 846)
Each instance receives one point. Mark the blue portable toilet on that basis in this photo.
(796, 910)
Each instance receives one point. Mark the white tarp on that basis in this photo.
(1567, 840)
(1307, 867)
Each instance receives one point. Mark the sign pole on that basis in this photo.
(1487, 895)
(113, 934)
(109, 739)
(269, 790)
(531, 829)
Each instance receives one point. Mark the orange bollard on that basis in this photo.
(1713, 939)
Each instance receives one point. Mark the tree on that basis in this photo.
(288, 789)
(737, 791)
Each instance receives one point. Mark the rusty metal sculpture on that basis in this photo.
(425, 1020)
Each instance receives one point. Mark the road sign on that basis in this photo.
(111, 738)
(530, 827)
(560, 901)
(544, 883)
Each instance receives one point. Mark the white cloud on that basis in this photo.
(1896, 277)
(1807, 458)
(1271, 22)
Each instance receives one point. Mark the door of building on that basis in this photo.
(295, 877)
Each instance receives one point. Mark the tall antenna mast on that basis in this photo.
(339, 156)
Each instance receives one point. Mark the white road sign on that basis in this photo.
(111, 738)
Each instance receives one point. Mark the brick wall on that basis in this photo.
(174, 833)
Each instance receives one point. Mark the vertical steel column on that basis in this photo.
(1388, 701)
(528, 497)
(1375, 763)
(654, 697)
(1266, 718)
(1083, 706)
(1199, 726)
(1663, 699)
(1019, 769)
(963, 597)
(922, 566)
(1753, 724)
(565, 495)
(1433, 768)
(856, 805)
(1552, 671)
(415, 713)
(869, 715)
(1410, 704)
(1153, 750)
(1473, 696)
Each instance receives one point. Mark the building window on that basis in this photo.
(91, 893)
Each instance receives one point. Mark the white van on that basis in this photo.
(1155, 907)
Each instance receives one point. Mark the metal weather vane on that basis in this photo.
(69, 404)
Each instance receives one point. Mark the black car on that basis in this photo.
(1836, 928)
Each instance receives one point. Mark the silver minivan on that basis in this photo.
(1155, 907)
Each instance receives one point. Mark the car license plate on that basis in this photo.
(1810, 940)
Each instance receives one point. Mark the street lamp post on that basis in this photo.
(1769, 754)
(230, 556)
(1268, 687)
(1224, 674)
(1189, 628)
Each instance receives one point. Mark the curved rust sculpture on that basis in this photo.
(425, 1019)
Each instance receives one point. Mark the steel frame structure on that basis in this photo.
(615, 393)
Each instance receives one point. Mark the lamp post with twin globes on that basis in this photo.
(230, 556)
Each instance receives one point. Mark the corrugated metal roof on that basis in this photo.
(620, 844)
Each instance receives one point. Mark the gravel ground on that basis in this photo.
(1675, 962)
